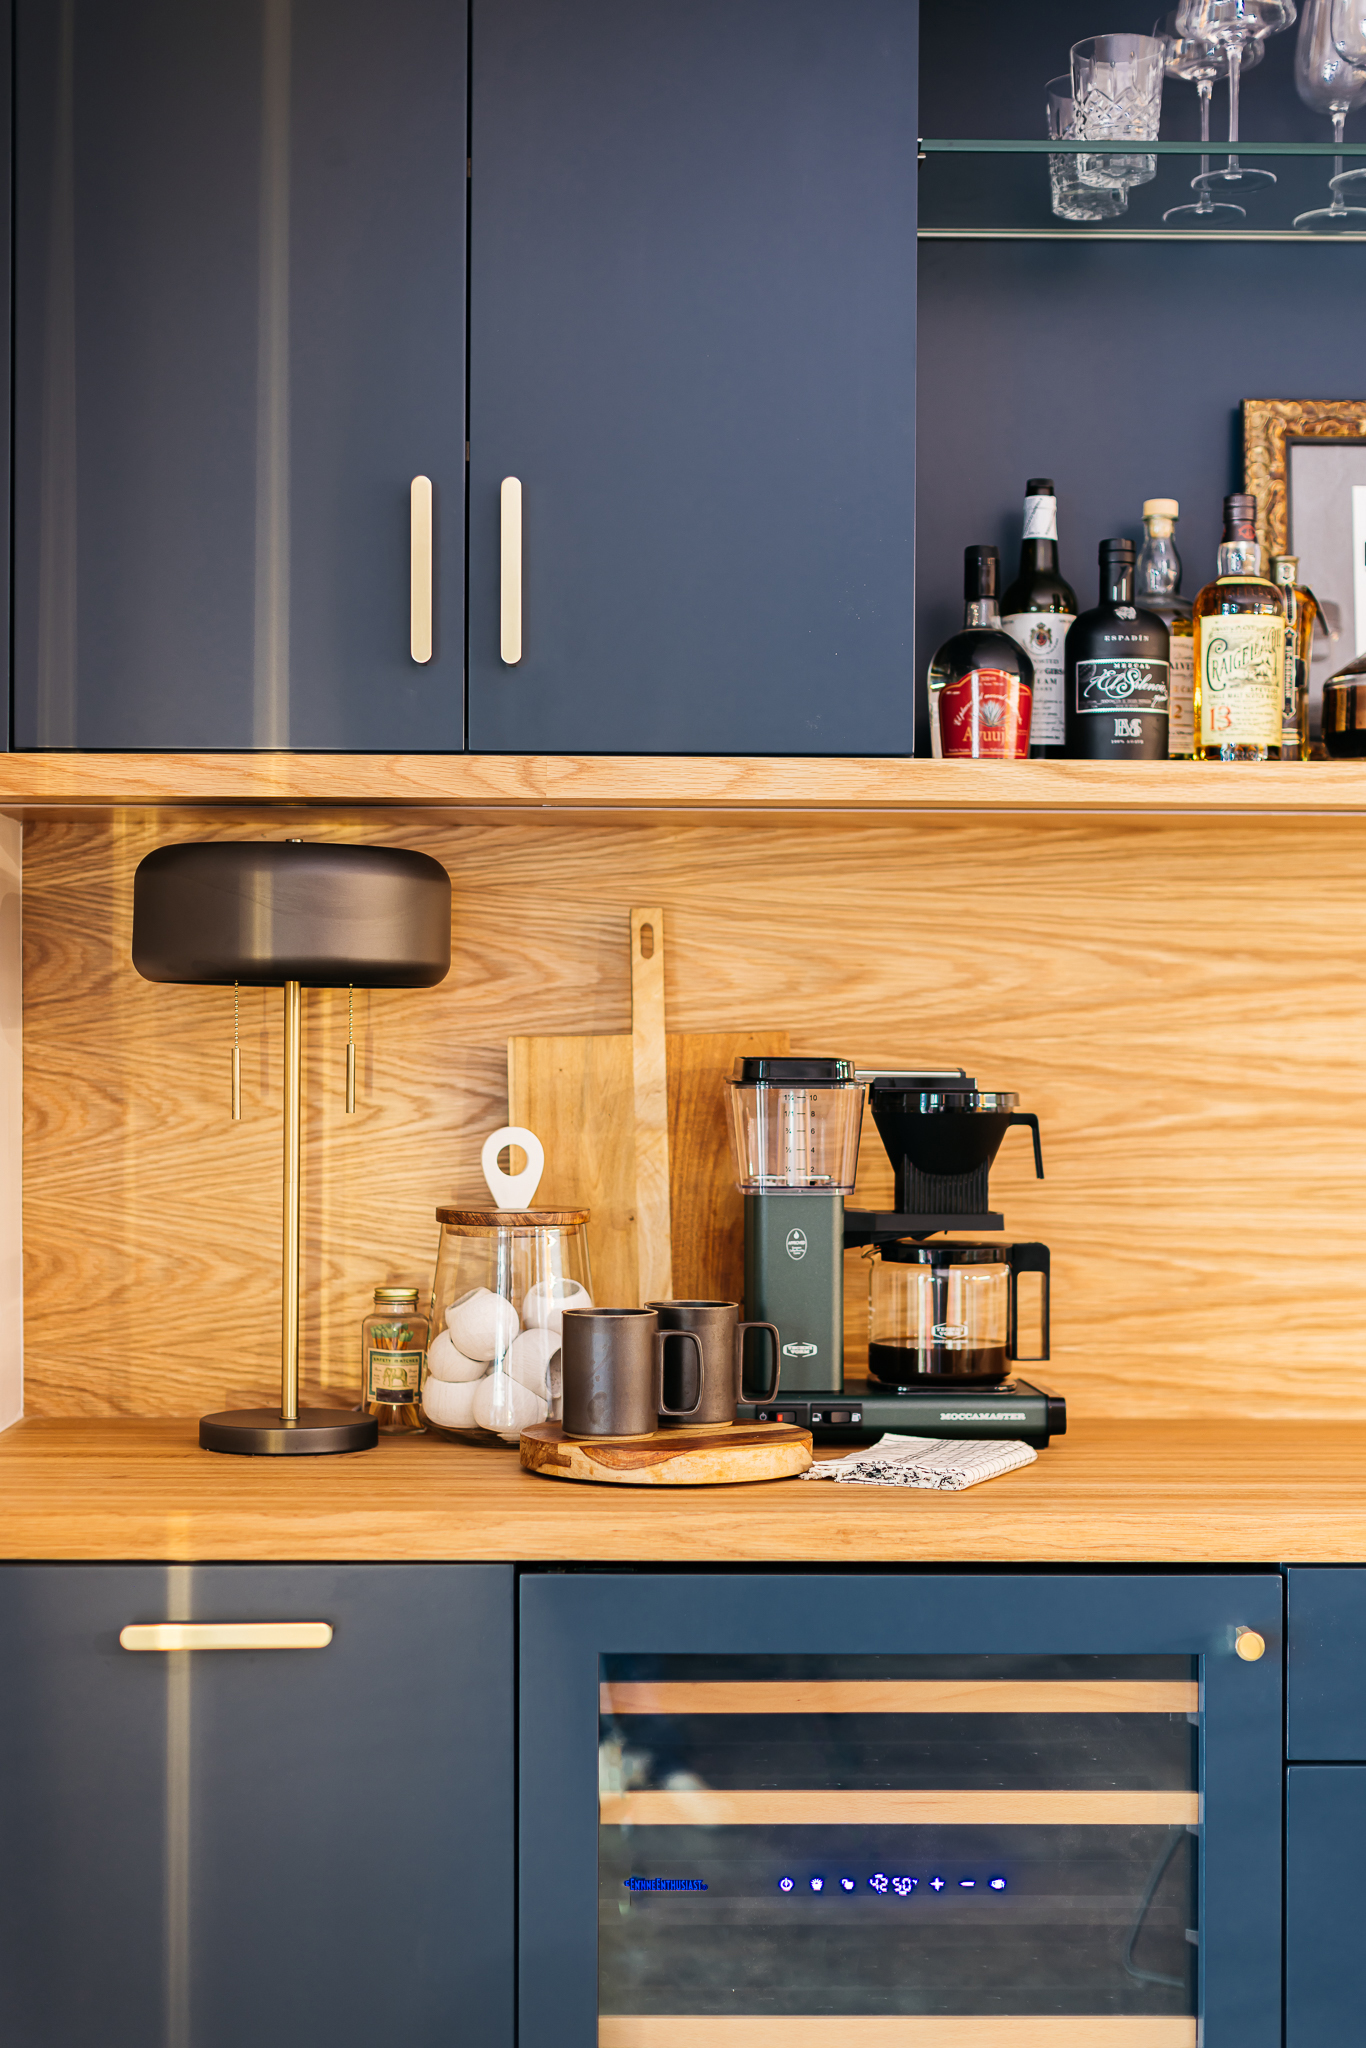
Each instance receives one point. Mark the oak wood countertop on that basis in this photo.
(1167, 1492)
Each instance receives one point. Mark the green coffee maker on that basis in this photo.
(794, 1126)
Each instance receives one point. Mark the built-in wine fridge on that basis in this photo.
(895, 1810)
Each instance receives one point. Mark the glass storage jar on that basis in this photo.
(503, 1281)
(393, 1347)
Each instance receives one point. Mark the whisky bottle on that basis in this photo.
(1239, 649)
(1301, 611)
(1037, 611)
(1117, 662)
(1157, 587)
(981, 681)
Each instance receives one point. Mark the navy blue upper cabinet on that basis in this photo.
(692, 280)
(280, 1847)
(240, 333)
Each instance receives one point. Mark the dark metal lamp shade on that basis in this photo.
(266, 912)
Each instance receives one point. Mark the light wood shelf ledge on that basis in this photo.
(1153, 1493)
(33, 784)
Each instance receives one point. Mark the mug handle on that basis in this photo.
(769, 1393)
(662, 1337)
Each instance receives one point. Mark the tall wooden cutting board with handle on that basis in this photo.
(634, 1131)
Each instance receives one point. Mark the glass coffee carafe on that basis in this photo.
(949, 1311)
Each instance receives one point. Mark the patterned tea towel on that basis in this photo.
(947, 1464)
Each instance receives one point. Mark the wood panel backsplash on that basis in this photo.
(1180, 1000)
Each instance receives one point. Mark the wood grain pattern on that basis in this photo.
(490, 786)
(577, 1095)
(676, 1457)
(949, 1809)
(1152, 1493)
(896, 2030)
(1179, 999)
(650, 1088)
(708, 1209)
(899, 1696)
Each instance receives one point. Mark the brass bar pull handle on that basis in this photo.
(420, 516)
(226, 1635)
(510, 576)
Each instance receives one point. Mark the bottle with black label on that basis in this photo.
(1301, 610)
(1036, 611)
(1118, 660)
(1157, 588)
(981, 681)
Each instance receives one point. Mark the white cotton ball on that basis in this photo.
(545, 1303)
(444, 1362)
(503, 1405)
(482, 1324)
(450, 1403)
(534, 1359)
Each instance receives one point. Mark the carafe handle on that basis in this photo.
(663, 1337)
(1021, 1117)
(1027, 1258)
(769, 1393)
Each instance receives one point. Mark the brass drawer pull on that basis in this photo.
(510, 580)
(420, 526)
(226, 1635)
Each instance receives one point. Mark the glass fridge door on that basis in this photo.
(823, 1818)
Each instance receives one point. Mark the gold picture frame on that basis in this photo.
(1271, 427)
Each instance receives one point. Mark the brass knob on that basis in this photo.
(1249, 1645)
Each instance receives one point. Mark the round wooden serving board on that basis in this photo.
(670, 1457)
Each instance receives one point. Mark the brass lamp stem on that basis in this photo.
(289, 1278)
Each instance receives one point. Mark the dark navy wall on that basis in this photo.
(1117, 369)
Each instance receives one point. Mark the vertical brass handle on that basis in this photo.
(420, 600)
(510, 581)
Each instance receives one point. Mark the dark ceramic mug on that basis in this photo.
(722, 1334)
(612, 1361)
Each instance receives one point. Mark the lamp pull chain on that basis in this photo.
(236, 1064)
(351, 1051)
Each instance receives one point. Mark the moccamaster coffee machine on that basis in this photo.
(944, 1320)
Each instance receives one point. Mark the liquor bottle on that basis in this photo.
(1301, 611)
(1239, 649)
(981, 681)
(1037, 610)
(1157, 587)
(1117, 671)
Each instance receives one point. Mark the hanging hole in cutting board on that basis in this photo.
(647, 942)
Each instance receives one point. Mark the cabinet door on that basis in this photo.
(1325, 1901)
(692, 277)
(836, 1811)
(210, 1848)
(240, 329)
(1326, 1663)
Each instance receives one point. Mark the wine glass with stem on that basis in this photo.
(1202, 63)
(1329, 83)
(1232, 25)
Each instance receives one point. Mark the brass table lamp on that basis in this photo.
(306, 915)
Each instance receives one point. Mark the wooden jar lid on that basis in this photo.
(514, 1219)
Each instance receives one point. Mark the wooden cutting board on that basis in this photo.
(634, 1130)
(735, 1456)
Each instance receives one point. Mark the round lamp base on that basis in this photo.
(262, 1432)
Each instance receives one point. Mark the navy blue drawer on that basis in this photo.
(1327, 1665)
(1325, 1884)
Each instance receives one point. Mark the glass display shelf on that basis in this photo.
(1001, 190)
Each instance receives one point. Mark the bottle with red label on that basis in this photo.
(981, 681)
